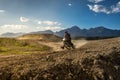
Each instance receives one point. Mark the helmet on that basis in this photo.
(66, 31)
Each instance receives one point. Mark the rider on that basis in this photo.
(67, 38)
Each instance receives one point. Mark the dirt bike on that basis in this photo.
(68, 45)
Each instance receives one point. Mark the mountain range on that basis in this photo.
(10, 34)
(75, 31)
(100, 31)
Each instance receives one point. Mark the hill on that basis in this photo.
(42, 32)
(41, 37)
(14, 46)
(97, 60)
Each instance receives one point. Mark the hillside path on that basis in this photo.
(56, 46)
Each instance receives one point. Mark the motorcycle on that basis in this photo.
(68, 45)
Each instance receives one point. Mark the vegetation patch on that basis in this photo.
(13, 46)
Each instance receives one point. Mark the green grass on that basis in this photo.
(13, 46)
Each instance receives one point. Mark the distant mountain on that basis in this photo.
(101, 31)
(9, 34)
(75, 32)
(42, 32)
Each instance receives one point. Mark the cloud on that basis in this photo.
(24, 19)
(69, 4)
(2, 11)
(39, 22)
(13, 27)
(53, 28)
(116, 9)
(108, 10)
(99, 8)
(95, 1)
(49, 23)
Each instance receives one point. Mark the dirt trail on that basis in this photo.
(79, 43)
(56, 45)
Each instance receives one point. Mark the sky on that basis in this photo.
(38, 15)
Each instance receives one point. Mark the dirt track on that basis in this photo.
(56, 45)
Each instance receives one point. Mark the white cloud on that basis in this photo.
(69, 4)
(95, 1)
(39, 22)
(53, 28)
(49, 23)
(116, 9)
(13, 27)
(2, 11)
(100, 8)
(24, 19)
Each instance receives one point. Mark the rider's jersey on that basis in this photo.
(67, 37)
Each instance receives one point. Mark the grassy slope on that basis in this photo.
(13, 46)
(97, 60)
(41, 37)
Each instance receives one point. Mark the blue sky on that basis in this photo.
(37, 15)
